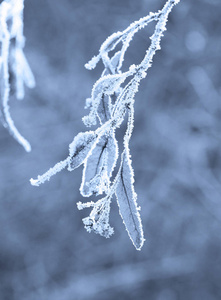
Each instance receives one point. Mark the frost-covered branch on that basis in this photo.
(111, 100)
(12, 60)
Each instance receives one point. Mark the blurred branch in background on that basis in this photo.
(15, 71)
(175, 149)
(124, 277)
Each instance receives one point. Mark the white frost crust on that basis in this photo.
(113, 98)
(13, 54)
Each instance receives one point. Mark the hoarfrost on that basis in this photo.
(80, 148)
(98, 220)
(111, 100)
(99, 166)
(127, 201)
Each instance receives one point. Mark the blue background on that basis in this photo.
(45, 253)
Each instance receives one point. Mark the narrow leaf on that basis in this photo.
(127, 201)
(99, 166)
(104, 109)
(114, 63)
(80, 148)
(106, 85)
(111, 42)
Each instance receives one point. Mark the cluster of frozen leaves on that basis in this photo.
(14, 69)
(112, 99)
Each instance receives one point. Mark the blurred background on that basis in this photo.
(45, 252)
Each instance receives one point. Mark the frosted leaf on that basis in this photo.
(107, 46)
(110, 83)
(104, 109)
(98, 220)
(106, 85)
(112, 97)
(87, 103)
(111, 42)
(114, 63)
(115, 60)
(127, 201)
(105, 105)
(98, 184)
(80, 148)
(99, 166)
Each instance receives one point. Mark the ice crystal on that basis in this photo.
(112, 98)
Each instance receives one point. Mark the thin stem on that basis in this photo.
(123, 98)
(51, 172)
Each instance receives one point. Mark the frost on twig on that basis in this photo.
(98, 220)
(13, 61)
(112, 98)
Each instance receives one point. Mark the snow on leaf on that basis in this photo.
(105, 105)
(104, 109)
(106, 85)
(99, 166)
(98, 220)
(111, 42)
(80, 148)
(115, 60)
(114, 63)
(111, 98)
(109, 45)
(127, 201)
